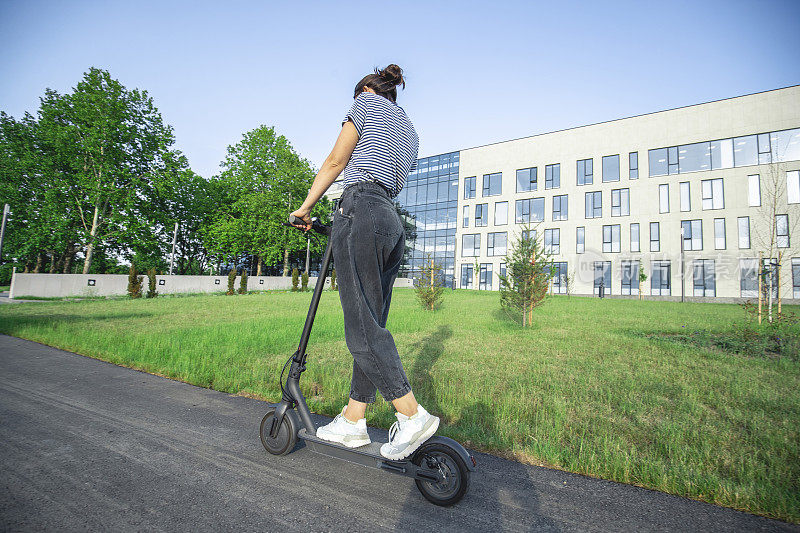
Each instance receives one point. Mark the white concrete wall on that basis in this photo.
(78, 285)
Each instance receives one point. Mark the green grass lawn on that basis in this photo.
(4, 288)
(608, 388)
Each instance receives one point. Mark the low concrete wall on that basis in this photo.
(88, 285)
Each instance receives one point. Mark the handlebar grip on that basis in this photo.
(316, 225)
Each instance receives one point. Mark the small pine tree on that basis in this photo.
(151, 283)
(642, 279)
(528, 272)
(134, 283)
(243, 283)
(231, 282)
(334, 287)
(295, 279)
(428, 285)
(569, 282)
(304, 281)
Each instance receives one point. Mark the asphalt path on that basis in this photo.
(87, 445)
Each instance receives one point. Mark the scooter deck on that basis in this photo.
(367, 455)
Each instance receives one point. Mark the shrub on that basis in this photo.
(231, 282)
(304, 281)
(528, 272)
(428, 286)
(334, 287)
(134, 283)
(151, 283)
(295, 279)
(243, 283)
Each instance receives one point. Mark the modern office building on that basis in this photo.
(693, 196)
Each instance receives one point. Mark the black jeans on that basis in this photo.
(368, 243)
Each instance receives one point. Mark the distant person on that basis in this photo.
(376, 148)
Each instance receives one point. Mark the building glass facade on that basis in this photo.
(431, 199)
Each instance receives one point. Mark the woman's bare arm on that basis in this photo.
(331, 168)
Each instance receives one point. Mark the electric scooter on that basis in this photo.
(441, 467)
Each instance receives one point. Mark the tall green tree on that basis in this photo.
(115, 141)
(264, 180)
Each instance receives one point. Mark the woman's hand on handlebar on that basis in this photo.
(303, 214)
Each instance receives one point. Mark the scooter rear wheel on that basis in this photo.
(448, 461)
(286, 439)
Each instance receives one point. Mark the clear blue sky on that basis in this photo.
(478, 72)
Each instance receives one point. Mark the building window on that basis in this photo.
(744, 233)
(611, 238)
(529, 210)
(481, 215)
(663, 198)
(469, 188)
(580, 236)
(754, 190)
(660, 278)
(610, 168)
(633, 165)
(500, 213)
(493, 184)
(769, 268)
(485, 281)
(748, 278)
(526, 179)
(594, 204)
(466, 276)
(503, 269)
(552, 176)
(635, 237)
(704, 279)
(471, 245)
(713, 197)
(655, 238)
(796, 276)
(793, 186)
(692, 234)
(620, 202)
(560, 207)
(602, 276)
(782, 230)
(531, 234)
(552, 241)
(465, 211)
(559, 278)
(585, 172)
(496, 244)
(630, 278)
(763, 148)
(719, 234)
(686, 200)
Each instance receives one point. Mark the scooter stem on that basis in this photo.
(312, 311)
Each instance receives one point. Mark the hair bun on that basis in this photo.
(392, 74)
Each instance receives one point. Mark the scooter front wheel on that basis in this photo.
(286, 439)
(453, 469)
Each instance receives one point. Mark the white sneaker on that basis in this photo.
(341, 430)
(408, 434)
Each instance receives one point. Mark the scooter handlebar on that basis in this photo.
(316, 225)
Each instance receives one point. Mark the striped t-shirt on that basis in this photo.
(387, 143)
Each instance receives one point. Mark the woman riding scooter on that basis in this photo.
(376, 148)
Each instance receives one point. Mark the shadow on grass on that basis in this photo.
(487, 488)
(428, 351)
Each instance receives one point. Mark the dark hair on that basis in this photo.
(383, 82)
